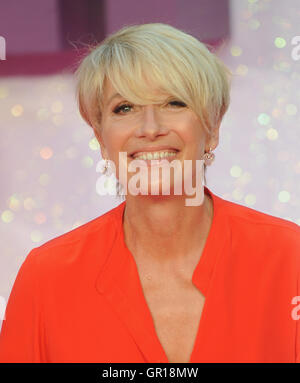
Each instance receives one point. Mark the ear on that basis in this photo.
(101, 143)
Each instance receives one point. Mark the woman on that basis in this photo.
(156, 279)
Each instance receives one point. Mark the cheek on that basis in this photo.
(114, 140)
(193, 137)
(191, 133)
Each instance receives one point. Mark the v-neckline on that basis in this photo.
(121, 282)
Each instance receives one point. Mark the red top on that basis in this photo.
(78, 297)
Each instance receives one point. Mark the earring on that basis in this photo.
(107, 182)
(105, 167)
(209, 157)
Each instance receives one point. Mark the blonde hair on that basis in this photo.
(141, 59)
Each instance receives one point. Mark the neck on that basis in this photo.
(164, 229)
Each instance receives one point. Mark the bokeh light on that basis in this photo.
(250, 199)
(291, 109)
(236, 51)
(87, 162)
(44, 179)
(40, 218)
(3, 92)
(284, 196)
(29, 203)
(7, 216)
(235, 171)
(14, 203)
(272, 134)
(264, 119)
(46, 153)
(17, 110)
(94, 144)
(36, 236)
(57, 107)
(280, 42)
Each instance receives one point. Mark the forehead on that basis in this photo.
(108, 89)
(108, 86)
(109, 92)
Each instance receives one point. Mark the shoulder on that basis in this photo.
(91, 240)
(262, 231)
(251, 217)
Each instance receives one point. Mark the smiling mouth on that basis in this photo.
(155, 155)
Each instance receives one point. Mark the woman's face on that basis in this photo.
(169, 126)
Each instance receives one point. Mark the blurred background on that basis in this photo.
(49, 154)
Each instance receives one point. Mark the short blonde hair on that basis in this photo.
(141, 59)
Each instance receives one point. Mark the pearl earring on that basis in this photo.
(105, 167)
(209, 157)
(109, 180)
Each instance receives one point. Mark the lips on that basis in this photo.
(152, 150)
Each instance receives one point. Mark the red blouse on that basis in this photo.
(78, 297)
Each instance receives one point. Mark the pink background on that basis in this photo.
(49, 155)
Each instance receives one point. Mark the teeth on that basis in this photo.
(155, 155)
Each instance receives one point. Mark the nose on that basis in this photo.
(150, 125)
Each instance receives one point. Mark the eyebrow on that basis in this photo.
(112, 97)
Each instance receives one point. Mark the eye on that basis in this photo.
(177, 103)
(120, 108)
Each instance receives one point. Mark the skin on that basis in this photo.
(160, 230)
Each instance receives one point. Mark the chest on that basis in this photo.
(176, 307)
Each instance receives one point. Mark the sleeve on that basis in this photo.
(20, 336)
(298, 321)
